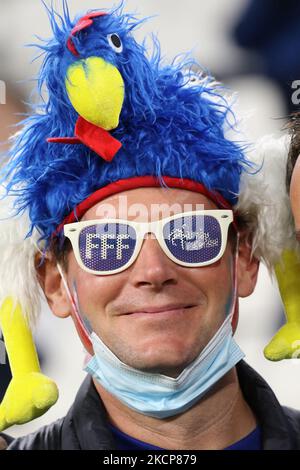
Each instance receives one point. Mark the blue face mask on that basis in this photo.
(158, 395)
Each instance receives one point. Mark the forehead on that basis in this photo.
(140, 202)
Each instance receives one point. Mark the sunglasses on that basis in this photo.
(109, 246)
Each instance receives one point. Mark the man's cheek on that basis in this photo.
(295, 195)
(84, 316)
(94, 296)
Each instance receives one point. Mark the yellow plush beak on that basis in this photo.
(30, 393)
(96, 91)
(286, 342)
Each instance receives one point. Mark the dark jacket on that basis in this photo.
(85, 426)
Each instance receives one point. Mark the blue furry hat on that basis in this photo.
(161, 121)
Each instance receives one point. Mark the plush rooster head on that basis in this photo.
(97, 58)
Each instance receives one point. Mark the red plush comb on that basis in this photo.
(84, 22)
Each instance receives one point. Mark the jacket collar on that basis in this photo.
(276, 430)
(85, 426)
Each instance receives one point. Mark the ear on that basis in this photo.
(52, 285)
(248, 265)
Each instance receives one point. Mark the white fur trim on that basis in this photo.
(264, 199)
(17, 270)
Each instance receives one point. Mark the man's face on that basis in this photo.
(195, 300)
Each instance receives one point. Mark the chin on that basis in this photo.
(170, 370)
(162, 363)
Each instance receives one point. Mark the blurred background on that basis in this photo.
(251, 45)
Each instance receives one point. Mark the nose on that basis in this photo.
(152, 268)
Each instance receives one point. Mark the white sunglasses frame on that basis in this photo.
(72, 232)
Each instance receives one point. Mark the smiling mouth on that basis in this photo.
(168, 309)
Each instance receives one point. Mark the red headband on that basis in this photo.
(140, 182)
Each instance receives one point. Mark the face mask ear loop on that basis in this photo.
(235, 286)
(78, 321)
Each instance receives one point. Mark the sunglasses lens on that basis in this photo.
(193, 239)
(106, 247)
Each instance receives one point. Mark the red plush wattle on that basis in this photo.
(63, 140)
(97, 139)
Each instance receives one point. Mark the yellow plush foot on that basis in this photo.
(285, 344)
(30, 393)
(27, 398)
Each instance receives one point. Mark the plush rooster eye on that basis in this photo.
(115, 42)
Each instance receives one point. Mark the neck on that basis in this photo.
(220, 419)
